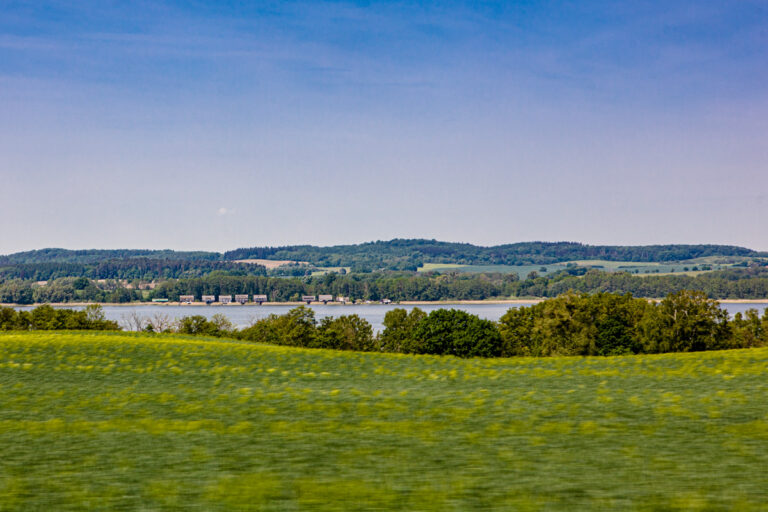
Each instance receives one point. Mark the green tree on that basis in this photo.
(399, 328)
(458, 333)
(749, 330)
(81, 283)
(573, 324)
(686, 321)
(349, 332)
(516, 330)
(198, 325)
(295, 328)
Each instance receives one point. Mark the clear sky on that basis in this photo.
(216, 125)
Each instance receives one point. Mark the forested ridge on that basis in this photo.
(399, 254)
(89, 256)
(379, 270)
(741, 283)
(410, 254)
(142, 268)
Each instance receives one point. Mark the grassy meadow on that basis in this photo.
(639, 268)
(124, 421)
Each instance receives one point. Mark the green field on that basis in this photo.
(321, 271)
(639, 268)
(138, 422)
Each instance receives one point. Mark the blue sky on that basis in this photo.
(215, 125)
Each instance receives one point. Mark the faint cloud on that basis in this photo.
(225, 211)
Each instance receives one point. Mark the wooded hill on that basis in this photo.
(397, 254)
(90, 256)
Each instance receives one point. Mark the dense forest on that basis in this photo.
(379, 270)
(741, 283)
(398, 254)
(90, 256)
(142, 268)
(749, 283)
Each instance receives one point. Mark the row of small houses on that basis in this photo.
(259, 299)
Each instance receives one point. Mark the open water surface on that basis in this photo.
(245, 315)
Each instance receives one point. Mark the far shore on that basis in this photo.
(340, 304)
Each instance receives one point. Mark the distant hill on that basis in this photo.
(398, 254)
(405, 254)
(89, 256)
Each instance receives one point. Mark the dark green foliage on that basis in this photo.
(741, 283)
(198, 325)
(16, 292)
(296, 328)
(49, 318)
(389, 272)
(399, 254)
(81, 283)
(399, 328)
(399, 286)
(392, 285)
(89, 256)
(143, 268)
(572, 324)
(611, 324)
(685, 321)
(749, 330)
(348, 332)
(458, 333)
(600, 324)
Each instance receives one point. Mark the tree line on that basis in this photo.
(399, 254)
(140, 268)
(584, 325)
(735, 283)
(404, 254)
(89, 256)
(572, 324)
(741, 283)
(602, 324)
(46, 318)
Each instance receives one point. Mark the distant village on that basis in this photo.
(260, 299)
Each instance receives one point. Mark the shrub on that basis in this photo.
(399, 328)
(296, 328)
(458, 333)
(346, 333)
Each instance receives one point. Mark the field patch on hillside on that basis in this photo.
(122, 421)
(692, 267)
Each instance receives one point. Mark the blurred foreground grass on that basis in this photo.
(117, 421)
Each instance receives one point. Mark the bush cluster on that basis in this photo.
(572, 324)
(49, 318)
(588, 325)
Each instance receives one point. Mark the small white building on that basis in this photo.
(209, 299)
(325, 299)
(242, 299)
(225, 299)
(186, 299)
(258, 299)
(309, 299)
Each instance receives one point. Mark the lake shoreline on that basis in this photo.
(339, 304)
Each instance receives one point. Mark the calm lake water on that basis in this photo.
(243, 316)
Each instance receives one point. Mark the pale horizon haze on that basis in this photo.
(216, 125)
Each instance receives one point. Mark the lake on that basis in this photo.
(243, 316)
